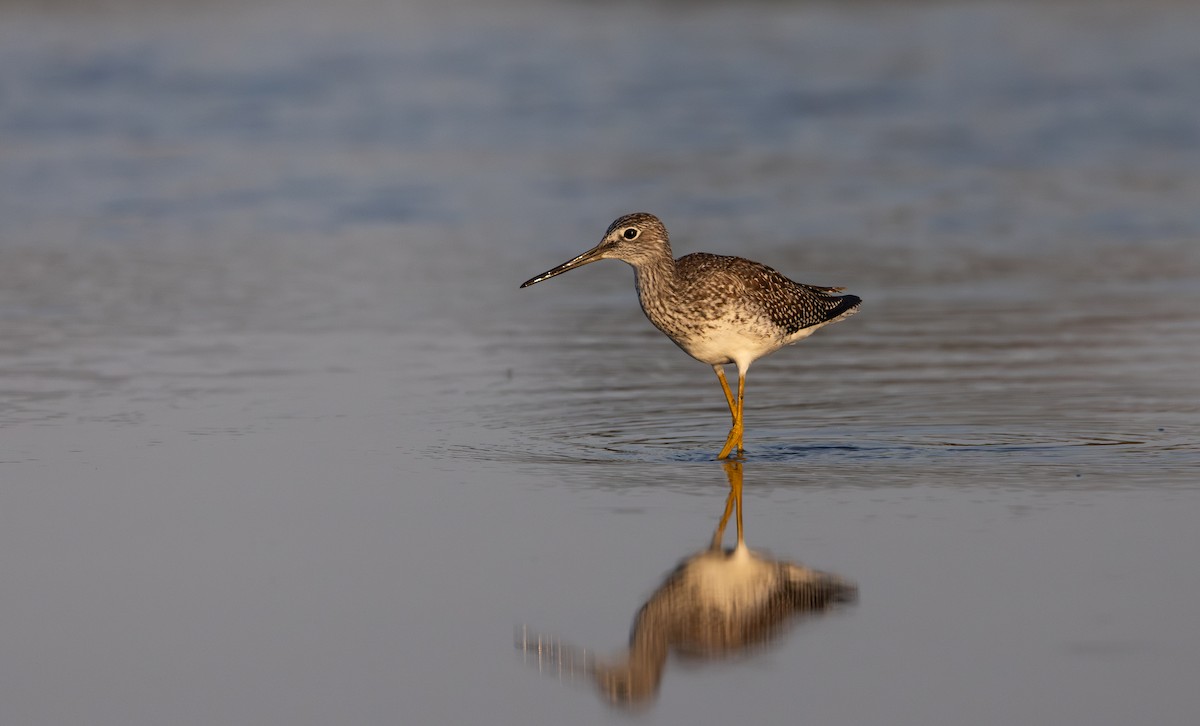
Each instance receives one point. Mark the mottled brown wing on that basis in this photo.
(790, 305)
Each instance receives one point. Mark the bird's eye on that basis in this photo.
(630, 233)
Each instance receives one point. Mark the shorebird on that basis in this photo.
(719, 309)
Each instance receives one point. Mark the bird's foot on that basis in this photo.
(734, 441)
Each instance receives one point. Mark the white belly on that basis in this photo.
(729, 344)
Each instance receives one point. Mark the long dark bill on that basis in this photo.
(590, 256)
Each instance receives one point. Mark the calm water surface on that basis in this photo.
(281, 442)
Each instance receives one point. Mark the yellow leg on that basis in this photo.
(725, 387)
(740, 430)
(734, 440)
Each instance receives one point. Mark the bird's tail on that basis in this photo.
(847, 305)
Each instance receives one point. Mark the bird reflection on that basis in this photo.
(716, 604)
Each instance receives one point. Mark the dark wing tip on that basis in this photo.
(847, 304)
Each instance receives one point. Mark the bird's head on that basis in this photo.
(634, 238)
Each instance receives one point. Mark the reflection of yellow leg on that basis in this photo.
(733, 472)
(729, 504)
(734, 440)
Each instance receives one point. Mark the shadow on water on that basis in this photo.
(716, 604)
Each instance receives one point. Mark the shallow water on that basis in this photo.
(282, 442)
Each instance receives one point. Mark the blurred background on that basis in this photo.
(281, 441)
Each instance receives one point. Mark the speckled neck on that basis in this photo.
(656, 279)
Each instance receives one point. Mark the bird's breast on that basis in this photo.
(713, 325)
(731, 338)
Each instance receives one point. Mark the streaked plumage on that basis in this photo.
(718, 309)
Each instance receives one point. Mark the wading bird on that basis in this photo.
(718, 309)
